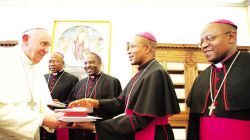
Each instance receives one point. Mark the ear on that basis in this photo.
(232, 37)
(147, 48)
(25, 38)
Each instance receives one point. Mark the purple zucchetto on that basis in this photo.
(225, 21)
(147, 35)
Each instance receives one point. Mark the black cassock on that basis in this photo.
(64, 83)
(232, 103)
(101, 86)
(148, 97)
(63, 86)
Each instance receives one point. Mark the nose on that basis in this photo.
(129, 51)
(204, 44)
(86, 65)
(46, 50)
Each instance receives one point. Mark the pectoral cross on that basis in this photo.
(32, 104)
(211, 108)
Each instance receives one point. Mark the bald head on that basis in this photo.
(57, 55)
(221, 27)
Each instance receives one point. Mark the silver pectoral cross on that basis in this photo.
(211, 108)
(32, 104)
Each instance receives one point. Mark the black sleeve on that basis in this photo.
(73, 95)
(113, 106)
(193, 130)
(117, 87)
(70, 95)
(74, 83)
(121, 127)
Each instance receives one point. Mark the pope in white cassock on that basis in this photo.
(24, 94)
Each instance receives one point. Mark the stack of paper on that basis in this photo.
(63, 114)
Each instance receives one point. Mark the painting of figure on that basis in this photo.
(75, 38)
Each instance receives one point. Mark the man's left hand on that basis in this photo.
(84, 125)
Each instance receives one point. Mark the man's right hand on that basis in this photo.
(86, 102)
(51, 121)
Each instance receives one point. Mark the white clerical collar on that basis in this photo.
(218, 65)
(54, 73)
(93, 76)
(57, 72)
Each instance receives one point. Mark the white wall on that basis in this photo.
(169, 23)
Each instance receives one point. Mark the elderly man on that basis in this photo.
(219, 99)
(60, 84)
(147, 101)
(59, 81)
(24, 92)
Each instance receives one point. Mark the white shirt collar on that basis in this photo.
(218, 65)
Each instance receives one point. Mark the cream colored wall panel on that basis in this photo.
(177, 78)
(180, 93)
(175, 66)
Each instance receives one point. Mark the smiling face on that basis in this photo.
(92, 64)
(56, 62)
(218, 41)
(137, 51)
(36, 43)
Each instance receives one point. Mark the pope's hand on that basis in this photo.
(86, 102)
(84, 125)
(56, 100)
(51, 121)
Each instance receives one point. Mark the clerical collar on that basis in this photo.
(226, 60)
(218, 65)
(95, 76)
(58, 73)
(145, 65)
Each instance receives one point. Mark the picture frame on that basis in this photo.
(74, 38)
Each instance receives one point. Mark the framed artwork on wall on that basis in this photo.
(75, 38)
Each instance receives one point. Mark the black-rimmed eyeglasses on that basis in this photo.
(211, 38)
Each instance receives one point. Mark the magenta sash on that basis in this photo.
(214, 128)
(148, 133)
(62, 134)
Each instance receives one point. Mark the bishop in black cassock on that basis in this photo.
(146, 102)
(97, 85)
(60, 84)
(219, 99)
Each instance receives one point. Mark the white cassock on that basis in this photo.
(20, 83)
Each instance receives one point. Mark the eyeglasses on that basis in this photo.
(211, 38)
(54, 61)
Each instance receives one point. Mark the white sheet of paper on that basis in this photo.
(75, 109)
(79, 119)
